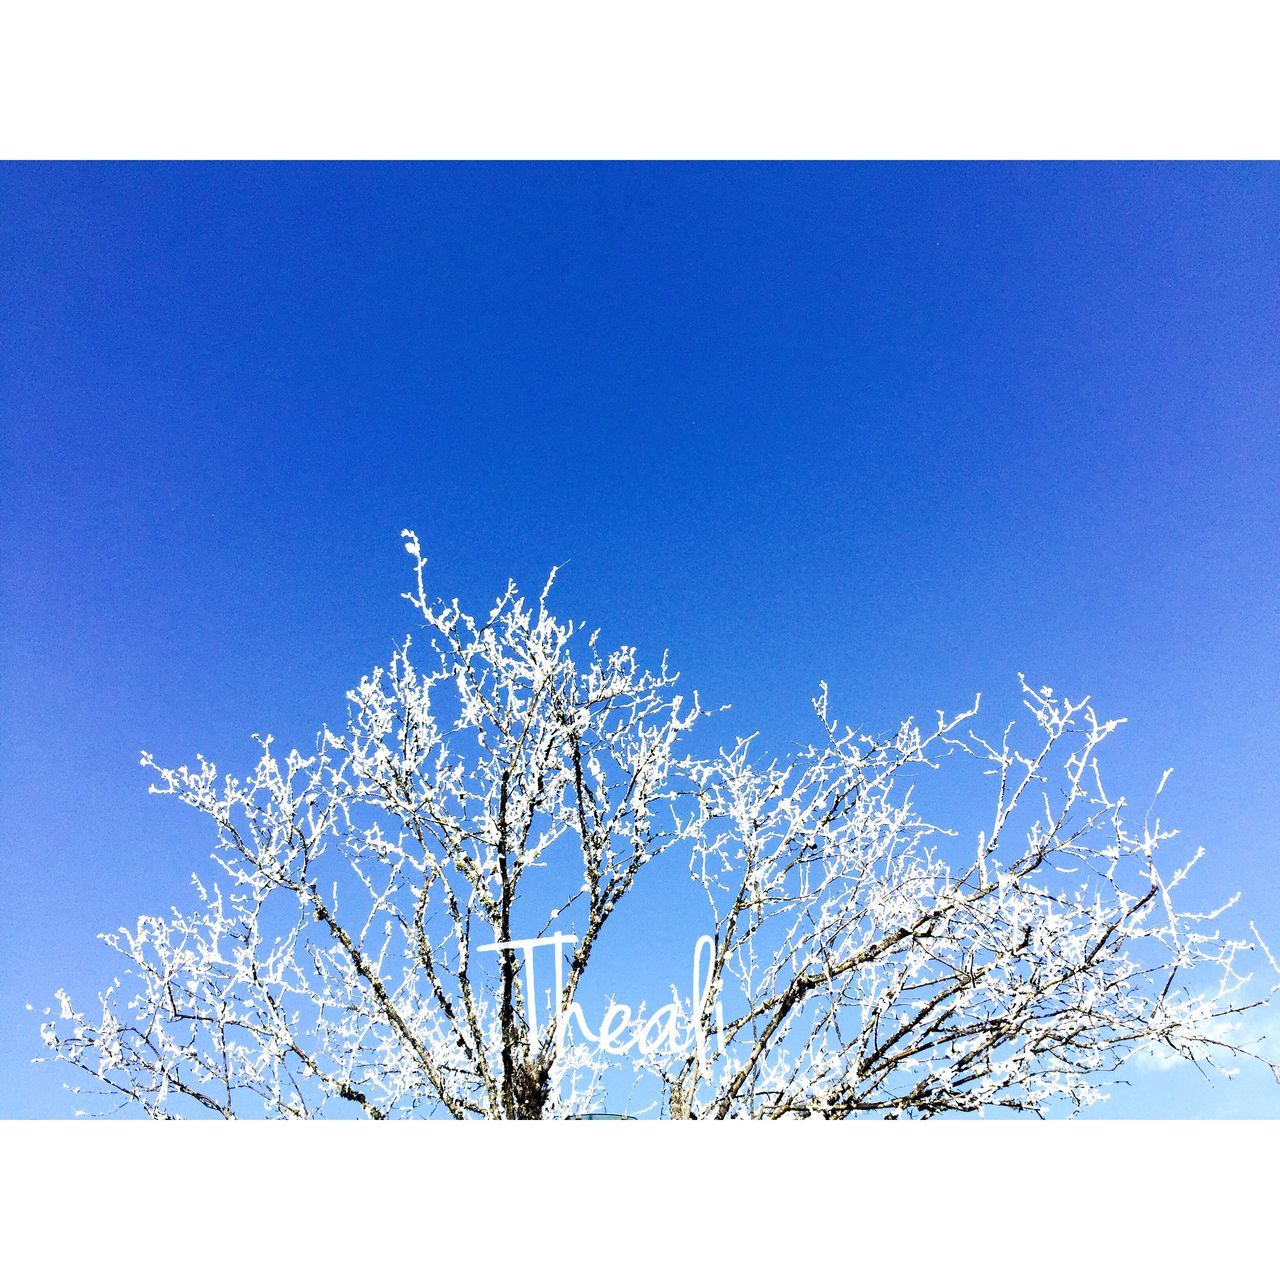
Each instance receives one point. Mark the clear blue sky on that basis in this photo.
(909, 429)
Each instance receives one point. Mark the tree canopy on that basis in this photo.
(367, 945)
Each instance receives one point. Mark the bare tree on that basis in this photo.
(370, 946)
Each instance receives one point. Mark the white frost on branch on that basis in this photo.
(854, 969)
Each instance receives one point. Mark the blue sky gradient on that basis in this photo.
(910, 429)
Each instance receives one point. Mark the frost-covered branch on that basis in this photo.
(360, 952)
(865, 973)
